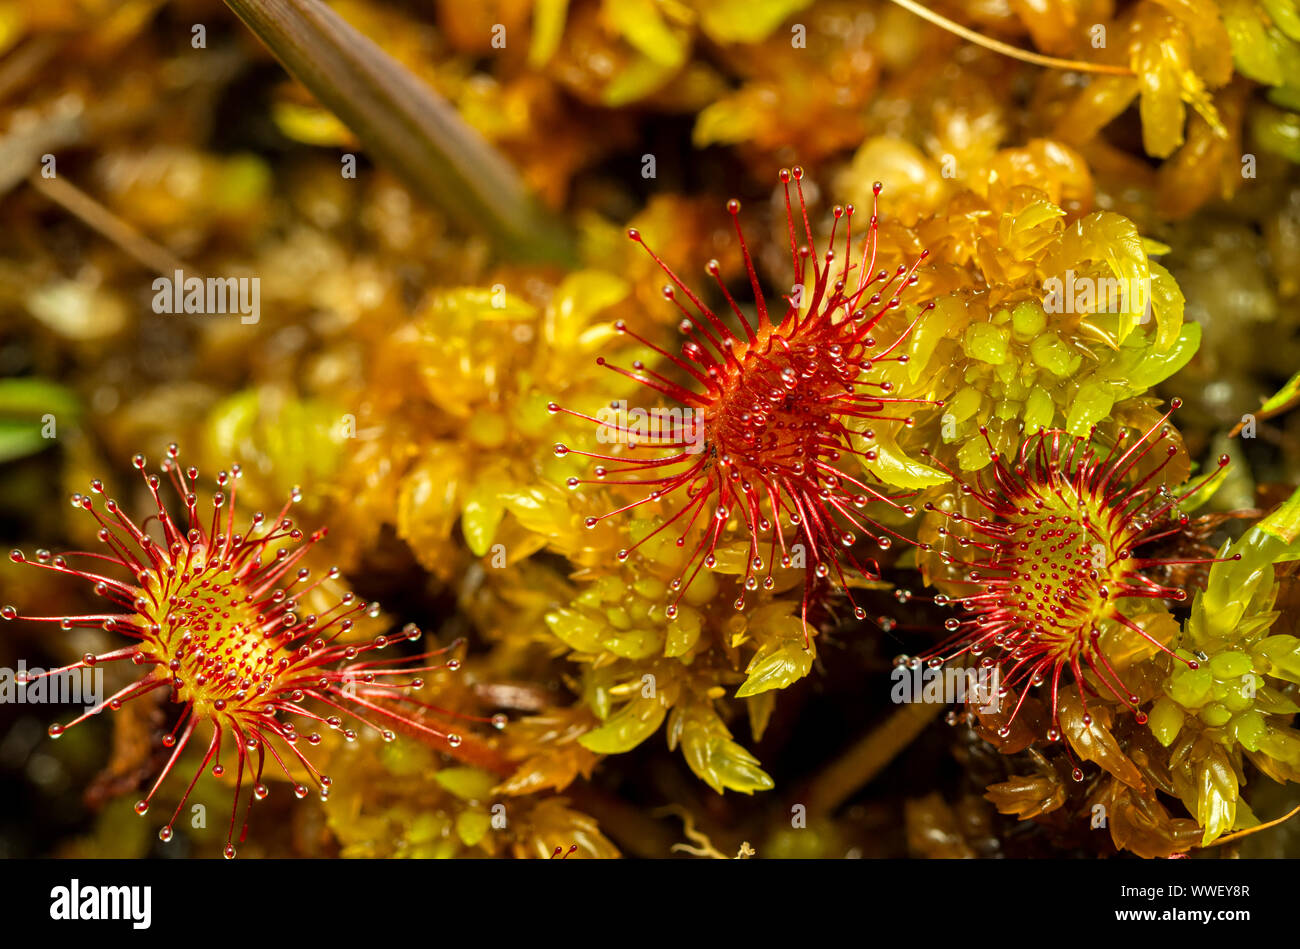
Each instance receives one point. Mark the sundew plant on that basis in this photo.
(630, 428)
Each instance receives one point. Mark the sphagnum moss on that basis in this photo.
(386, 378)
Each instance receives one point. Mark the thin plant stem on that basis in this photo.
(869, 756)
(1006, 49)
(407, 127)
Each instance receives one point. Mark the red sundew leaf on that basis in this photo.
(768, 418)
(1056, 553)
(216, 614)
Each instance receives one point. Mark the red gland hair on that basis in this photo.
(1056, 556)
(775, 404)
(214, 618)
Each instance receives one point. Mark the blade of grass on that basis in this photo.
(406, 126)
(81, 205)
(842, 778)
